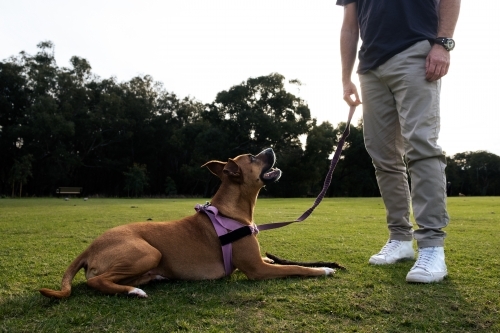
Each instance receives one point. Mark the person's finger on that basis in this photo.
(352, 101)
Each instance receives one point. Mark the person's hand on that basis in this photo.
(350, 90)
(437, 64)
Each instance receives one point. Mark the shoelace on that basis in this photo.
(425, 257)
(389, 247)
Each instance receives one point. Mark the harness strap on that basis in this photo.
(228, 231)
(234, 235)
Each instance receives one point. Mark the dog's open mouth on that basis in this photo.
(271, 175)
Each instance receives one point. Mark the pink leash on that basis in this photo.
(326, 183)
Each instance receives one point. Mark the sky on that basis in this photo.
(198, 48)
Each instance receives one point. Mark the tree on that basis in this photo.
(14, 100)
(474, 173)
(98, 133)
(260, 113)
(354, 175)
(20, 172)
(136, 179)
(320, 144)
(170, 187)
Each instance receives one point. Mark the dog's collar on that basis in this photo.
(228, 231)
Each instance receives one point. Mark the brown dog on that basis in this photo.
(187, 249)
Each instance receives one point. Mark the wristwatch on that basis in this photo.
(448, 43)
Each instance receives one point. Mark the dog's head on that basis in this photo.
(247, 168)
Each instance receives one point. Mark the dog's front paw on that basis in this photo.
(267, 260)
(328, 271)
(138, 292)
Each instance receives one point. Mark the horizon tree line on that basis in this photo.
(64, 126)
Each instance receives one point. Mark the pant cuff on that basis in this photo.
(430, 243)
(403, 238)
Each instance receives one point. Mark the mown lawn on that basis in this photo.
(40, 237)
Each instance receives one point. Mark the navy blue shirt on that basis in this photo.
(388, 27)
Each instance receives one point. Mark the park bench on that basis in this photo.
(69, 190)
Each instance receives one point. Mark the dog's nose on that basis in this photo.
(267, 156)
(269, 152)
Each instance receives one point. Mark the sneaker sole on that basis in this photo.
(374, 262)
(438, 277)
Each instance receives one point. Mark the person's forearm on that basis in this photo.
(349, 35)
(448, 16)
(348, 49)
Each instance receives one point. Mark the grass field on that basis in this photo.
(40, 237)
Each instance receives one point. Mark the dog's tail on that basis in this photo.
(68, 276)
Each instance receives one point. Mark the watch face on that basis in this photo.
(449, 44)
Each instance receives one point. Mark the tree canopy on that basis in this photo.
(66, 126)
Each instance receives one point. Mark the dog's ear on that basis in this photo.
(215, 167)
(232, 170)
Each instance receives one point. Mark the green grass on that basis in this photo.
(40, 237)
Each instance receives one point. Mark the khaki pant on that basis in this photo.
(401, 119)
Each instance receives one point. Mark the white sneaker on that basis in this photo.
(429, 267)
(393, 251)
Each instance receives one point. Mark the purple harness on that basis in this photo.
(223, 226)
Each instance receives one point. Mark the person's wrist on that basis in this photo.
(447, 43)
(346, 82)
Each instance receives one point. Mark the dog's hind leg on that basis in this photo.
(129, 269)
(151, 276)
(105, 283)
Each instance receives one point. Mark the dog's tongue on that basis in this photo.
(273, 174)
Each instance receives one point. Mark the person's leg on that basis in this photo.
(384, 143)
(418, 105)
